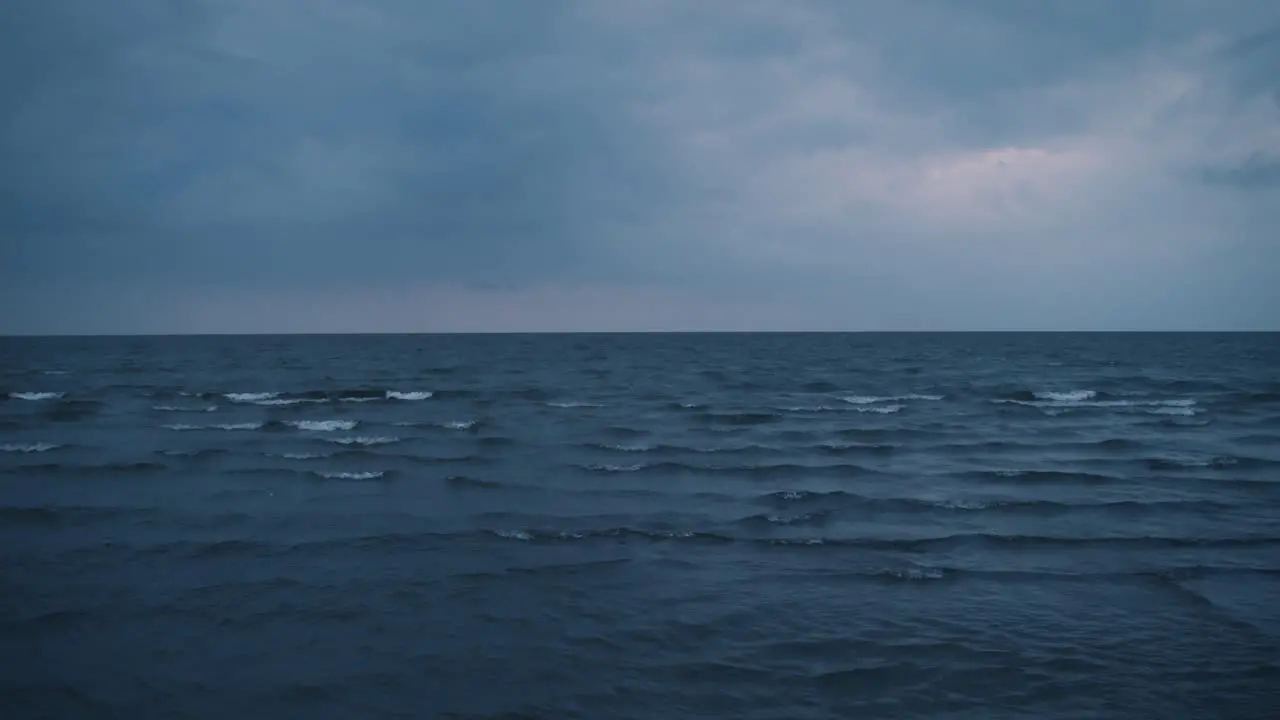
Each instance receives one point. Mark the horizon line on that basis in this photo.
(433, 333)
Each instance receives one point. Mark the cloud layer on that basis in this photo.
(330, 165)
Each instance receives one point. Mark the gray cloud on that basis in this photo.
(818, 164)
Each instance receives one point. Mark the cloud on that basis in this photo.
(806, 164)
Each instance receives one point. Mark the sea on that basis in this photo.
(774, 525)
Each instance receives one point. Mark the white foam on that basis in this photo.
(301, 456)
(394, 395)
(513, 534)
(357, 399)
(365, 440)
(225, 426)
(36, 395)
(574, 404)
(873, 399)
(271, 402)
(460, 424)
(1067, 396)
(629, 448)
(1079, 399)
(614, 468)
(250, 396)
(175, 408)
(323, 425)
(28, 447)
(881, 409)
(368, 475)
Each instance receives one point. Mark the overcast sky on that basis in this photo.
(405, 165)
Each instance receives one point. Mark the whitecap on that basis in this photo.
(460, 424)
(574, 404)
(513, 534)
(300, 456)
(881, 409)
(629, 448)
(360, 399)
(1067, 396)
(604, 467)
(29, 447)
(35, 395)
(423, 395)
(366, 475)
(250, 397)
(273, 402)
(873, 399)
(365, 440)
(224, 426)
(323, 425)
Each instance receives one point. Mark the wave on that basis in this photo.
(364, 475)
(418, 395)
(631, 448)
(322, 396)
(873, 399)
(574, 404)
(79, 469)
(752, 470)
(220, 426)
(365, 440)
(742, 418)
(194, 453)
(842, 500)
(36, 395)
(323, 425)
(466, 481)
(298, 455)
(1083, 399)
(251, 397)
(942, 543)
(1043, 476)
(176, 408)
(38, 447)
(1217, 462)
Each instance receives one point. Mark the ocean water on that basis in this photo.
(641, 526)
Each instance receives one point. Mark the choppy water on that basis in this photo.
(661, 526)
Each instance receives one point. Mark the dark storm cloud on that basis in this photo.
(304, 142)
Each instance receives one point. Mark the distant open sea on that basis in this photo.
(661, 526)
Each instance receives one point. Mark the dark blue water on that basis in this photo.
(642, 526)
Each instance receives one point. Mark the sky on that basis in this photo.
(223, 166)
